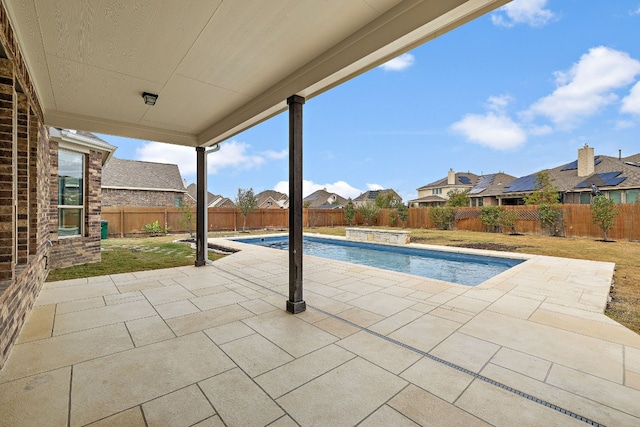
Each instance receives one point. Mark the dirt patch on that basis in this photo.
(490, 246)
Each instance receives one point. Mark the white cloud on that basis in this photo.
(341, 188)
(631, 102)
(587, 87)
(499, 103)
(635, 12)
(232, 154)
(528, 12)
(493, 130)
(399, 63)
(374, 187)
(624, 124)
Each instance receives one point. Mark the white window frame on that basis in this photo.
(74, 207)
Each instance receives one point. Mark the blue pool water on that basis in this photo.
(464, 269)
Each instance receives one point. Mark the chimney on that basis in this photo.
(451, 177)
(585, 161)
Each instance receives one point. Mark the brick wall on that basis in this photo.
(113, 197)
(24, 178)
(84, 249)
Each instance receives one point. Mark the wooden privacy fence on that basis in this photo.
(577, 220)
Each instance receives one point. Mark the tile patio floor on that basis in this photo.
(213, 346)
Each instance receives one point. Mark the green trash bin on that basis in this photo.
(104, 228)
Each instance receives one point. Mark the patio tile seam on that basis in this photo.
(456, 367)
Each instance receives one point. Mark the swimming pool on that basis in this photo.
(464, 269)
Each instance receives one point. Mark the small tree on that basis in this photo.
(442, 216)
(369, 213)
(349, 212)
(603, 212)
(458, 198)
(188, 220)
(393, 217)
(491, 216)
(546, 197)
(246, 202)
(403, 213)
(385, 200)
(508, 220)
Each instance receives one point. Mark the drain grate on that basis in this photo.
(444, 362)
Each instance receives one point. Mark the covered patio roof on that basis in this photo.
(218, 67)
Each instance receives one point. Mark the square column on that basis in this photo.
(295, 304)
(202, 244)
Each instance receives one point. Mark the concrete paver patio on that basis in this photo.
(213, 346)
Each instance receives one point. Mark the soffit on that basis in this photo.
(218, 67)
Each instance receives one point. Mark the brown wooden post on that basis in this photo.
(295, 304)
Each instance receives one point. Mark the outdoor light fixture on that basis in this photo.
(149, 98)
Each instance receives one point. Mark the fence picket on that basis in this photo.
(130, 221)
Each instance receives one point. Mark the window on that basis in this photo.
(70, 193)
(436, 191)
(480, 201)
(631, 196)
(176, 202)
(616, 196)
(585, 198)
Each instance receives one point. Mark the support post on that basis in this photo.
(201, 205)
(295, 304)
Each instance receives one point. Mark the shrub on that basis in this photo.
(369, 213)
(491, 217)
(442, 216)
(349, 212)
(403, 214)
(155, 228)
(603, 212)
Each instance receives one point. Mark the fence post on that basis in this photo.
(122, 222)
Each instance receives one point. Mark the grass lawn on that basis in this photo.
(137, 254)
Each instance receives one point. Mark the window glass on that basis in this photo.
(631, 196)
(70, 193)
(585, 198)
(616, 196)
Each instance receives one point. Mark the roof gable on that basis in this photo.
(134, 174)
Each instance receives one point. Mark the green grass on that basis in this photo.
(129, 255)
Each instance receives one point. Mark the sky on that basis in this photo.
(518, 90)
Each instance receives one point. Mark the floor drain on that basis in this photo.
(442, 361)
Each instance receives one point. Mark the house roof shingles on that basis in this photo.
(565, 177)
(467, 179)
(320, 199)
(134, 174)
(372, 194)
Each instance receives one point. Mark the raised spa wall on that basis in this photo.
(396, 237)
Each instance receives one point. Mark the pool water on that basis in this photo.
(464, 269)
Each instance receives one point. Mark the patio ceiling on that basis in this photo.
(219, 67)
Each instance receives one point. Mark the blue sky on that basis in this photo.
(515, 91)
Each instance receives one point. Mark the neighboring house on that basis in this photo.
(489, 188)
(617, 178)
(141, 184)
(322, 199)
(77, 160)
(437, 192)
(213, 200)
(271, 199)
(371, 195)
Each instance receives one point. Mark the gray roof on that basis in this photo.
(491, 184)
(320, 199)
(262, 196)
(134, 174)
(462, 178)
(609, 173)
(372, 194)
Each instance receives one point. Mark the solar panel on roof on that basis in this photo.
(636, 164)
(607, 179)
(574, 164)
(464, 179)
(485, 180)
(526, 183)
(477, 190)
